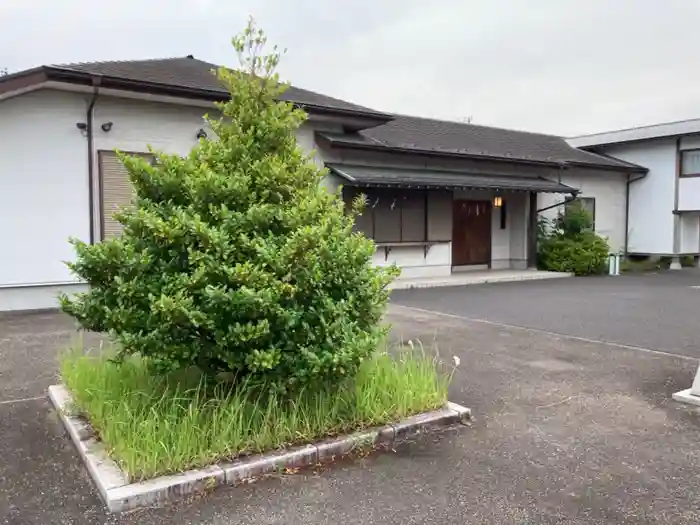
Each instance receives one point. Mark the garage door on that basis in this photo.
(117, 191)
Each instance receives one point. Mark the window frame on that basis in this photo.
(680, 163)
(581, 201)
(372, 193)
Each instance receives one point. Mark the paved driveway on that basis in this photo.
(657, 311)
(567, 431)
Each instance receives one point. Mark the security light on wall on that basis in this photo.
(497, 201)
(201, 134)
(107, 126)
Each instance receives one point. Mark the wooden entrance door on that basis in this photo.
(471, 232)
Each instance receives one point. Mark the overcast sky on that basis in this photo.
(555, 66)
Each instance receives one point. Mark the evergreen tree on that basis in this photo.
(235, 258)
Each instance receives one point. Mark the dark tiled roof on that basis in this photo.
(396, 131)
(197, 75)
(456, 137)
(427, 178)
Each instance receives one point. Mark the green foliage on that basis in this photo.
(574, 221)
(569, 244)
(156, 425)
(235, 258)
(585, 254)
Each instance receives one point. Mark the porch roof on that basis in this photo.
(376, 176)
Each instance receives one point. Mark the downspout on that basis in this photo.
(562, 167)
(96, 81)
(565, 201)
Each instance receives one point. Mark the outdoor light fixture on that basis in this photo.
(201, 134)
(497, 201)
(107, 126)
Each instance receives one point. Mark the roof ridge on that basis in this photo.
(101, 62)
(498, 128)
(633, 128)
(606, 157)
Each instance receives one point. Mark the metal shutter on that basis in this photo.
(117, 191)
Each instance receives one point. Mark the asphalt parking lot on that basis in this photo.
(653, 310)
(573, 419)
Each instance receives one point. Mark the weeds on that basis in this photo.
(154, 425)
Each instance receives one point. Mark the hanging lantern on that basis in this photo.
(497, 201)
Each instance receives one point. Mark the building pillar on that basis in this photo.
(532, 231)
(676, 260)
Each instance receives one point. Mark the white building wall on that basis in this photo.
(652, 197)
(689, 193)
(433, 260)
(690, 142)
(306, 140)
(517, 207)
(44, 196)
(45, 184)
(609, 190)
(690, 233)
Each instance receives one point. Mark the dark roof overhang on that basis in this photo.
(379, 176)
(59, 74)
(362, 143)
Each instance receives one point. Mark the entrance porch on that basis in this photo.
(476, 277)
(438, 224)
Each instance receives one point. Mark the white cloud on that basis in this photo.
(559, 66)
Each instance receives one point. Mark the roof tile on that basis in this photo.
(197, 74)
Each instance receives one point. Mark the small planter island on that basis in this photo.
(245, 316)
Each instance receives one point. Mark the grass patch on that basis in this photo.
(154, 425)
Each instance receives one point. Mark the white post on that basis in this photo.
(614, 264)
(692, 394)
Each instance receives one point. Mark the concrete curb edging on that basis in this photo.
(120, 495)
(686, 396)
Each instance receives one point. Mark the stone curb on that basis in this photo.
(120, 495)
(685, 396)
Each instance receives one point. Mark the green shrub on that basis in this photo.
(585, 254)
(235, 258)
(569, 244)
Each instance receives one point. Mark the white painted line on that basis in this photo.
(548, 332)
(22, 400)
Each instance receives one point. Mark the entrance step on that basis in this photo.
(476, 277)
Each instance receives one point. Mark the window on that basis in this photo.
(586, 203)
(690, 163)
(391, 215)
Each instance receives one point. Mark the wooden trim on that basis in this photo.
(679, 167)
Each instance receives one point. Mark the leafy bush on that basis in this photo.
(586, 254)
(234, 258)
(569, 244)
